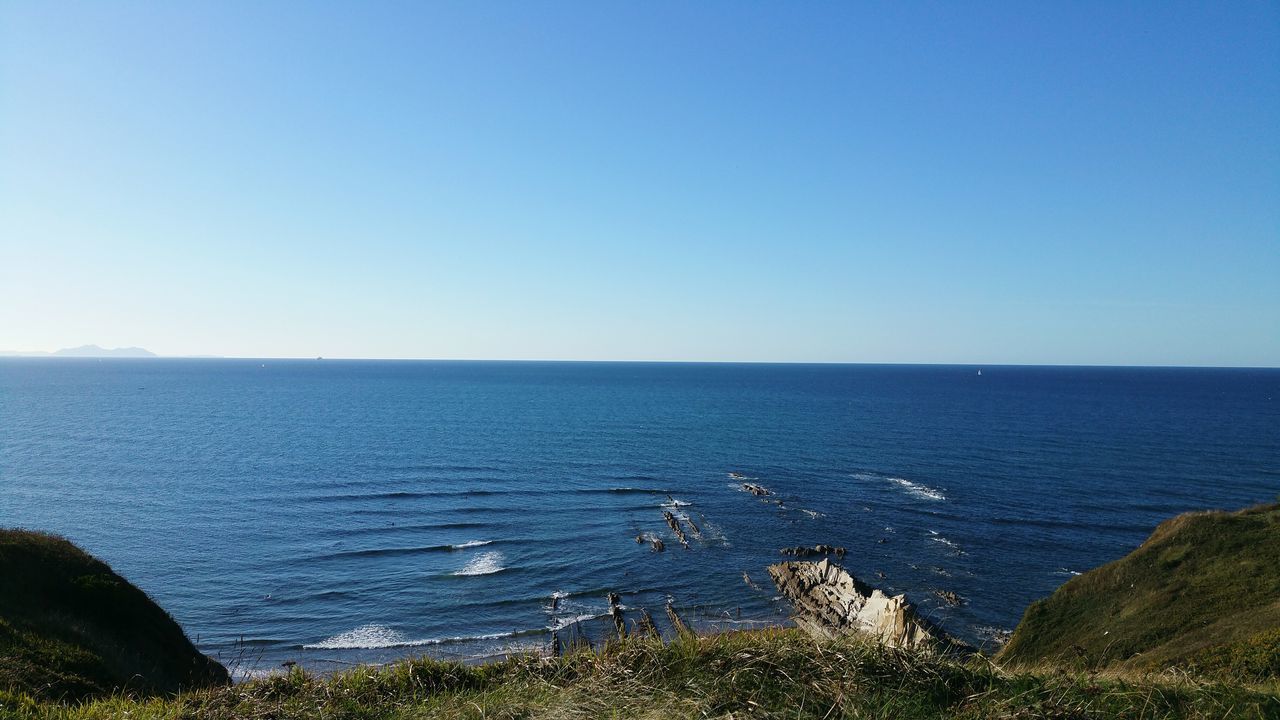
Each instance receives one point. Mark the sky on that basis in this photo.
(1065, 183)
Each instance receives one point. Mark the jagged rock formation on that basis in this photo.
(949, 597)
(615, 613)
(829, 602)
(757, 490)
(801, 551)
(674, 524)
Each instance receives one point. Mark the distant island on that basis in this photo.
(85, 351)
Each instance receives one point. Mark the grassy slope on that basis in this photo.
(764, 674)
(71, 628)
(1203, 591)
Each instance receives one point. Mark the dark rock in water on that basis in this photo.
(71, 629)
(658, 545)
(757, 490)
(949, 597)
(750, 583)
(674, 524)
(801, 551)
(640, 539)
(829, 602)
(697, 532)
(615, 613)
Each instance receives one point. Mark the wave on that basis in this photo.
(483, 564)
(934, 536)
(676, 503)
(398, 495)
(391, 529)
(400, 551)
(562, 623)
(377, 637)
(1066, 571)
(924, 492)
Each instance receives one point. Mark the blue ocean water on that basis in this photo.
(331, 512)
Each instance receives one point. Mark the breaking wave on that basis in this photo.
(373, 636)
(483, 564)
(914, 489)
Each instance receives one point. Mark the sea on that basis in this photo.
(330, 513)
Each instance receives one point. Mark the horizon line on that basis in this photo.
(1172, 366)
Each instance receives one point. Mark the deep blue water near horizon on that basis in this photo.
(344, 511)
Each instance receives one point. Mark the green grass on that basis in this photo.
(759, 674)
(70, 628)
(1202, 593)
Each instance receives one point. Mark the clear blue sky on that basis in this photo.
(901, 182)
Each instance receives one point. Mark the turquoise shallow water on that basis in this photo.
(342, 511)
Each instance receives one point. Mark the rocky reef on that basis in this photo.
(830, 602)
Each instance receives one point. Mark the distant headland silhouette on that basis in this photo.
(88, 351)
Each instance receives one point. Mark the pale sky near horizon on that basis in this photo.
(1070, 183)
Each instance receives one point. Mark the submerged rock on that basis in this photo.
(949, 597)
(829, 602)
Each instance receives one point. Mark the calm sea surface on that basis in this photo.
(340, 511)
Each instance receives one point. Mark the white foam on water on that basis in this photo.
(564, 622)
(924, 492)
(939, 539)
(483, 564)
(470, 544)
(675, 503)
(363, 637)
(1065, 571)
(812, 513)
(375, 637)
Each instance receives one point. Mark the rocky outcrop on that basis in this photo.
(802, 551)
(615, 614)
(949, 597)
(829, 602)
(674, 524)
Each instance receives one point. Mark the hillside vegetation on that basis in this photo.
(70, 628)
(762, 674)
(1201, 594)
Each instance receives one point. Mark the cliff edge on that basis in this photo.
(71, 628)
(1201, 594)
